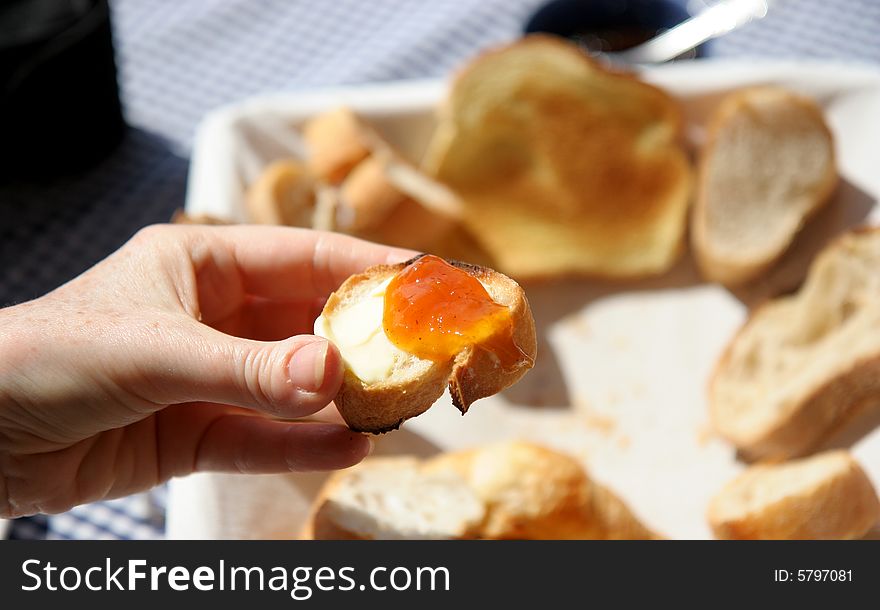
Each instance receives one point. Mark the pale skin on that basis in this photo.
(187, 350)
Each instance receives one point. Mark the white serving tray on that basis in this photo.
(622, 368)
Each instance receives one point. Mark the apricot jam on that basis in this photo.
(434, 310)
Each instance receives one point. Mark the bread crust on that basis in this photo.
(534, 493)
(337, 140)
(529, 492)
(843, 505)
(472, 374)
(714, 266)
(821, 410)
(283, 194)
(577, 194)
(369, 195)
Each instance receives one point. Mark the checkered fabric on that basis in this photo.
(178, 60)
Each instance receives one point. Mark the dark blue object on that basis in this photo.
(609, 25)
(59, 100)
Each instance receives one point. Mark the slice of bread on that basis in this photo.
(283, 194)
(511, 490)
(532, 492)
(393, 498)
(804, 364)
(383, 200)
(383, 385)
(409, 225)
(337, 141)
(563, 166)
(367, 197)
(826, 496)
(355, 182)
(768, 165)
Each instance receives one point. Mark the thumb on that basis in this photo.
(291, 378)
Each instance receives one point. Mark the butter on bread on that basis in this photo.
(804, 364)
(508, 490)
(562, 165)
(826, 496)
(383, 385)
(768, 165)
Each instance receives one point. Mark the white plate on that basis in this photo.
(622, 369)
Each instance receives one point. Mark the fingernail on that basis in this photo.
(307, 366)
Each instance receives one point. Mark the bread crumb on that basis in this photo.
(601, 423)
(594, 420)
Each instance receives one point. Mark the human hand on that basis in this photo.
(178, 353)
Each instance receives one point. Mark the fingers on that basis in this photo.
(208, 437)
(284, 263)
(291, 378)
(265, 320)
(255, 445)
(328, 415)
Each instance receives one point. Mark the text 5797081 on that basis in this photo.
(810, 575)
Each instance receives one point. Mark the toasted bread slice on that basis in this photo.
(803, 364)
(510, 490)
(826, 496)
(563, 166)
(768, 165)
(394, 498)
(337, 141)
(532, 492)
(383, 385)
(284, 194)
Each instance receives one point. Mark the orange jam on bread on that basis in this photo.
(434, 310)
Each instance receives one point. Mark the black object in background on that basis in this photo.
(608, 25)
(59, 99)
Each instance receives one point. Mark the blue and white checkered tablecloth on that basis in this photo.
(177, 60)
